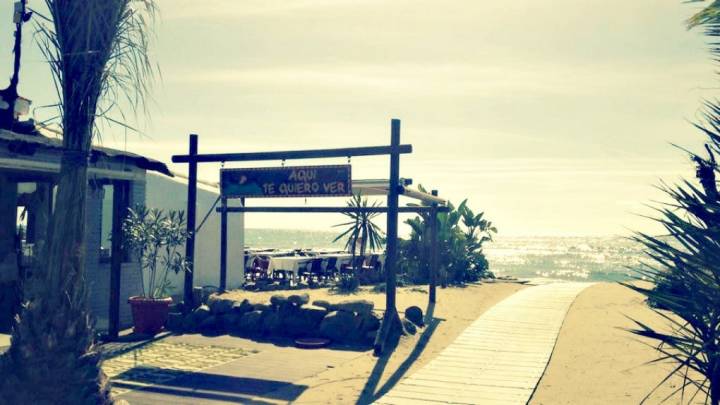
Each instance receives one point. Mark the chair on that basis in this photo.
(316, 269)
(330, 267)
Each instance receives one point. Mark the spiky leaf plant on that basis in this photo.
(684, 265)
(96, 50)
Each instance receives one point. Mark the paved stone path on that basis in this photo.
(499, 358)
(195, 370)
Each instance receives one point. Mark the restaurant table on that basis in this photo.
(288, 263)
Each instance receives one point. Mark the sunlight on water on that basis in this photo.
(565, 258)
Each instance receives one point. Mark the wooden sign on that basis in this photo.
(294, 181)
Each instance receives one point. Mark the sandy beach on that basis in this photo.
(595, 361)
(357, 380)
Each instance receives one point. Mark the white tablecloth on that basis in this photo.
(288, 263)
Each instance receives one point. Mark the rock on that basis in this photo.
(208, 324)
(201, 313)
(369, 322)
(175, 322)
(340, 326)
(323, 304)
(277, 300)
(241, 307)
(313, 314)
(299, 325)
(261, 307)
(357, 306)
(271, 323)
(415, 315)
(220, 305)
(250, 322)
(299, 299)
(189, 324)
(231, 321)
(409, 327)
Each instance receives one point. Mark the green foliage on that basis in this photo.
(348, 284)
(361, 227)
(157, 238)
(461, 235)
(684, 265)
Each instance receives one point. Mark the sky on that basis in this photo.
(554, 118)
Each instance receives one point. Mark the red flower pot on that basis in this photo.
(149, 314)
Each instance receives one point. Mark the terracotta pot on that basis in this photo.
(149, 314)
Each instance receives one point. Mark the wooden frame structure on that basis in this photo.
(395, 189)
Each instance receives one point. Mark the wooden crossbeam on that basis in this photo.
(293, 154)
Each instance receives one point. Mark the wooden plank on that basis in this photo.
(293, 154)
(499, 358)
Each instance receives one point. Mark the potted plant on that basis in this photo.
(156, 238)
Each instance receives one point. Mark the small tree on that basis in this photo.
(361, 227)
(157, 238)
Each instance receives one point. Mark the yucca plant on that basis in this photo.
(97, 52)
(361, 227)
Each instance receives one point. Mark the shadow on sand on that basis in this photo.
(371, 392)
(158, 385)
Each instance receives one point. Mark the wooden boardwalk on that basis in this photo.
(499, 358)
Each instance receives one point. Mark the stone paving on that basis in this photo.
(161, 361)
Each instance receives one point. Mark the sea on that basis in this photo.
(534, 257)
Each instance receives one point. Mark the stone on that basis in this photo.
(241, 307)
(299, 299)
(357, 306)
(271, 323)
(298, 326)
(261, 307)
(323, 304)
(415, 315)
(220, 305)
(277, 300)
(409, 327)
(369, 322)
(250, 322)
(189, 324)
(208, 324)
(313, 314)
(201, 313)
(340, 326)
(175, 322)
(231, 321)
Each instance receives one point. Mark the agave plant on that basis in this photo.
(97, 52)
(361, 227)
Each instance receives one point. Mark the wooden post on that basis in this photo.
(119, 207)
(191, 207)
(391, 319)
(223, 244)
(433, 250)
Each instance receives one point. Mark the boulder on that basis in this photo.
(250, 322)
(175, 322)
(261, 307)
(208, 324)
(340, 326)
(277, 300)
(201, 313)
(231, 321)
(361, 307)
(188, 324)
(409, 327)
(220, 305)
(369, 322)
(271, 323)
(323, 304)
(299, 299)
(299, 325)
(415, 315)
(313, 314)
(241, 307)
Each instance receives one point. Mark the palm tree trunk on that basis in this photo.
(52, 358)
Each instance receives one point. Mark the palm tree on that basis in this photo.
(97, 51)
(361, 227)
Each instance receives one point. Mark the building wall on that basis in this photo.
(98, 274)
(171, 194)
